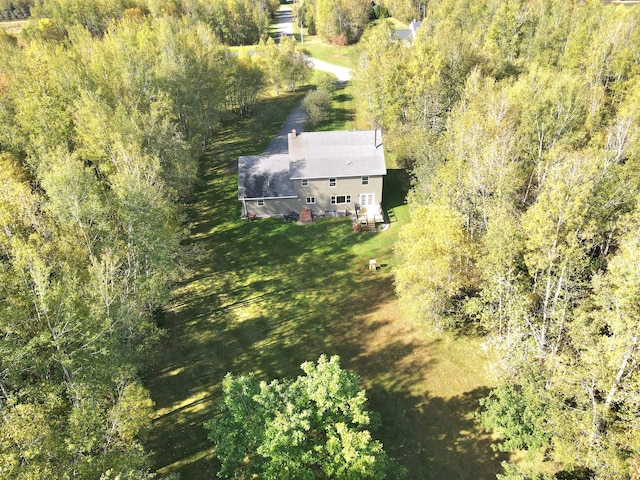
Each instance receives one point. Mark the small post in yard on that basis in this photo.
(372, 264)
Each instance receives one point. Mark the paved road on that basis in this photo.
(284, 18)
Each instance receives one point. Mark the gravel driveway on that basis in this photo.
(296, 120)
(342, 73)
(285, 21)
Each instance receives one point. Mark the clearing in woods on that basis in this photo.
(265, 296)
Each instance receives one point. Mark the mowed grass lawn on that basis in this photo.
(265, 296)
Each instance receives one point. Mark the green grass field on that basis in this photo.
(342, 114)
(265, 296)
(342, 56)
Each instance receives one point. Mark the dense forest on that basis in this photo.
(242, 22)
(15, 9)
(105, 108)
(520, 122)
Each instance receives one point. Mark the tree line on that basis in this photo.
(519, 122)
(234, 22)
(102, 121)
(15, 9)
(344, 21)
(338, 21)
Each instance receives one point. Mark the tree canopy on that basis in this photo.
(316, 426)
(336, 20)
(102, 121)
(519, 122)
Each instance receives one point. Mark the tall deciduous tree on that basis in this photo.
(316, 426)
(347, 17)
(537, 169)
(284, 63)
(94, 15)
(598, 376)
(378, 78)
(316, 105)
(436, 264)
(104, 131)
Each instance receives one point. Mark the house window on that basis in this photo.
(305, 182)
(311, 200)
(261, 202)
(332, 182)
(365, 180)
(340, 199)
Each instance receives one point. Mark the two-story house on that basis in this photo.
(338, 171)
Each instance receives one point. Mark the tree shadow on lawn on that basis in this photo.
(343, 97)
(436, 438)
(266, 296)
(264, 326)
(397, 183)
(338, 116)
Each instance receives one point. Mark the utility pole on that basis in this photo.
(300, 23)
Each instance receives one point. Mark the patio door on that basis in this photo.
(367, 201)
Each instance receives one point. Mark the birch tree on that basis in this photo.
(599, 375)
(436, 264)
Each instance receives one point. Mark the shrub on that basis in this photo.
(316, 105)
(340, 40)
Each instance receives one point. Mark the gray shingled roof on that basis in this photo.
(264, 177)
(402, 34)
(311, 155)
(336, 154)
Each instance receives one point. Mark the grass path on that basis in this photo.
(13, 27)
(266, 296)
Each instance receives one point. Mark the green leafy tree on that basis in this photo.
(505, 36)
(406, 10)
(554, 21)
(436, 264)
(284, 63)
(104, 142)
(244, 82)
(522, 211)
(515, 472)
(316, 105)
(307, 10)
(316, 426)
(519, 414)
(336, 17)
(94, 15)
(378, 78)
(296, 67)
(599, 379)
